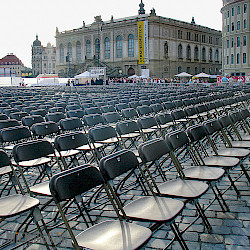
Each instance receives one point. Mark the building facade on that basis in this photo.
(11, 65)
(172, 47)
(43, 58)
(236, 37)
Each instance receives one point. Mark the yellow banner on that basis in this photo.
(140, 26)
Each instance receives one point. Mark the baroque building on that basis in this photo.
(43, 58)
(127, 45)
(11, 65)
(236, 37)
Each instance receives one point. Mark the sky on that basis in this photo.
(21, 20)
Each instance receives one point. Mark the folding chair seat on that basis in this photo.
(129, 131)
(149, 127)
(75, 146)
(156, 151)
(106, 136)
(19, 204)
(41, 112)
(9, 123)
(199, 137)
(190, 168)
(111, 234)
(46, 130)
(151, 208)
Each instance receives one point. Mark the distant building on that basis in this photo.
(43, 58)
(11, 65)
(236, 37)
(125, 46)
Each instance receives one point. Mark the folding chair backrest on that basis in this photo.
(70, 141)
(18, 115)
(190, 111)
(212, 126)
(153, 150)
(4, 159)
(126, 127)
(163, 118)
(32, 150)
(102, 132)
(236, 116)
(75, 113)
(30, 120)
(129, 113)
(111, 117)
(178, 114)
(93, 119)
(41, 112)
(54, 117)
(9, 123)
(245, 113)
(118, 163)
(15, 134)
(224, 121)
(3, 117)
(75, 181)
(45, 128)
(196, 132)
(143, 110)
(177, 139)
(70, 123)
(146, 122)
(93, 110)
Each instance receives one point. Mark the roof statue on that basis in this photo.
(141, 11)
(193, 22)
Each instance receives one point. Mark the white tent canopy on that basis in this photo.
(134, 77)
(202, 75)
(86, 74)
(183, 74)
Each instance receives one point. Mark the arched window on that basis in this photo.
(61, 51)
(107, 48)
(78, 51)
(88, 49)
(119, 47)
(131, 47)
(210, 54)
(217, 55)
(188, 52)
(196, 53)
(69, 51)
(97, 48)
(166, 49)
(203, 54)
(180, 51)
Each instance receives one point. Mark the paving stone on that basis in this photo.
(212, 238)
(237, 240)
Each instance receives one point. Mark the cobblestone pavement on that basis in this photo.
(230, 230)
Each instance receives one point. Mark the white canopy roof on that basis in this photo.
(134, 77)
(202, 75)
(183, 74)
(86, 74)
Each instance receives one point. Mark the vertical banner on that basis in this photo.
(143, 42)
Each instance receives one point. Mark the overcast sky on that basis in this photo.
(21, 20)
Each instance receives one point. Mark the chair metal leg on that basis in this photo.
(203, 217)
(178, 236)
(245, 172)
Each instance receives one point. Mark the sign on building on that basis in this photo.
(98, 71)
(143, 42)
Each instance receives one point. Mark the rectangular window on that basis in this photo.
(227, 28)
(238, 25)
(245, 8)
(244, 40)
(244, 57)
(228, 13)
(227, 59)
(232, 43)
(188, 35)
(179, 34)
(238, 41)
(245, 24)
(188, 70)
(238, 58)
(232, 58)
(232, 11)
(232, 26)
(227, 43)
(238, 10)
